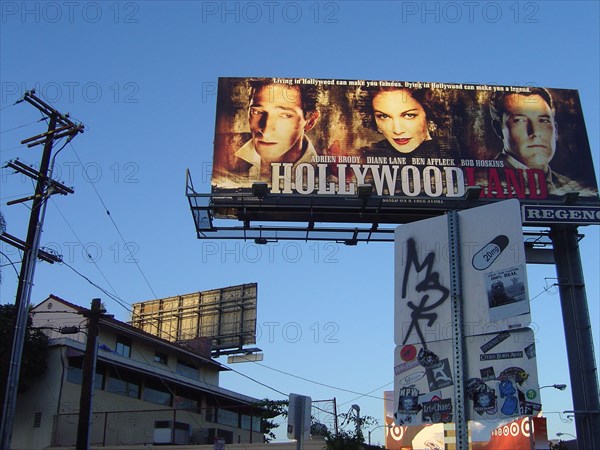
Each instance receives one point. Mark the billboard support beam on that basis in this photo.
(462, 437)
(578, 335)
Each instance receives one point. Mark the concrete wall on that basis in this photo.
(42, 399)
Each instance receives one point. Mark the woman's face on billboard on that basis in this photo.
(401, 119)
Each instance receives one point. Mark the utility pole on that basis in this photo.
(89, 371)
(59, 126)
(578, 336)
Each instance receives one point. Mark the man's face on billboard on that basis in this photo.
(529, 130)
(277, 122)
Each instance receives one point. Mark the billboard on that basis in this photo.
(226, 317)
(419, 145)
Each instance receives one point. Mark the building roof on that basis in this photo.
(107, 321)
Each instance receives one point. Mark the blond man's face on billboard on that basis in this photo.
(277, 123)
(529, 130)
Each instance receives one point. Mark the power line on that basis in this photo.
(23, 126)
(116, 226)
(83, 246)
(370, 392)
(10, 262)
(12, 104)
(121, 303)
(315, 382)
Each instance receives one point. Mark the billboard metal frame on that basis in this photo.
(226, 316)
(266, 219)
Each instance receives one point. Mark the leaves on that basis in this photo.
(35, 350)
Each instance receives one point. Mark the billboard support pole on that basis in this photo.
(578, 336)
(462, 436)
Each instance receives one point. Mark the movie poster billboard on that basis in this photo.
(418, 144)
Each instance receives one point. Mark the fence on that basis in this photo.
(177, 426)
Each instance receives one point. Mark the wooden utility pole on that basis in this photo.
(59, 126)
(89, 371)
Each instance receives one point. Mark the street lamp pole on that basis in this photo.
(560, 387)
(358, 432)
(374, 428)
(559, 434)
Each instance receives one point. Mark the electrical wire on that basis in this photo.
(12, 104)
(23, 126)
(116, 226)
(12, 148)
(370, 392)
(546, 289)
(106, 292)
(121, 303)
(10, 262)
(315, 382)
(91, 259)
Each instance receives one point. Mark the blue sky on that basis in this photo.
(141, 76)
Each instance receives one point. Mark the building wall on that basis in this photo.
(116, 419)
(144, 353)
(42, 398)
(53, 403)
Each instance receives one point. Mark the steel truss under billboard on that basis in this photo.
(305, 150)
(227, 317)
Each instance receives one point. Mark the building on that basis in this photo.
(147, 390)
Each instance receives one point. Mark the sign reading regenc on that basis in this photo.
(412, 140)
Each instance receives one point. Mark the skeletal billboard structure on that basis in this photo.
(226, 317)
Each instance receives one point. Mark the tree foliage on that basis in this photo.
(352, 439)
(560, 445)
(35, 350)
(271, 409)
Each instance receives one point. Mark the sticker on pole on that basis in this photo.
(485, 257)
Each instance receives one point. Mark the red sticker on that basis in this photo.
(408, 352)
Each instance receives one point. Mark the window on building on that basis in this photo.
(123, 383)
(156, 392)
(211, 414)
(161, 358)
(75, 373)
(123, 347)
(187, 369)
(225, 417)
(245, 422)
(252, 423)
(37, 420)
(185, 401)
(257, 424)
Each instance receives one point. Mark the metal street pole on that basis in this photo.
(462, 433)
(578, 336)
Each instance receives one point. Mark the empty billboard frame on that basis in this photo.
(226, 317)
